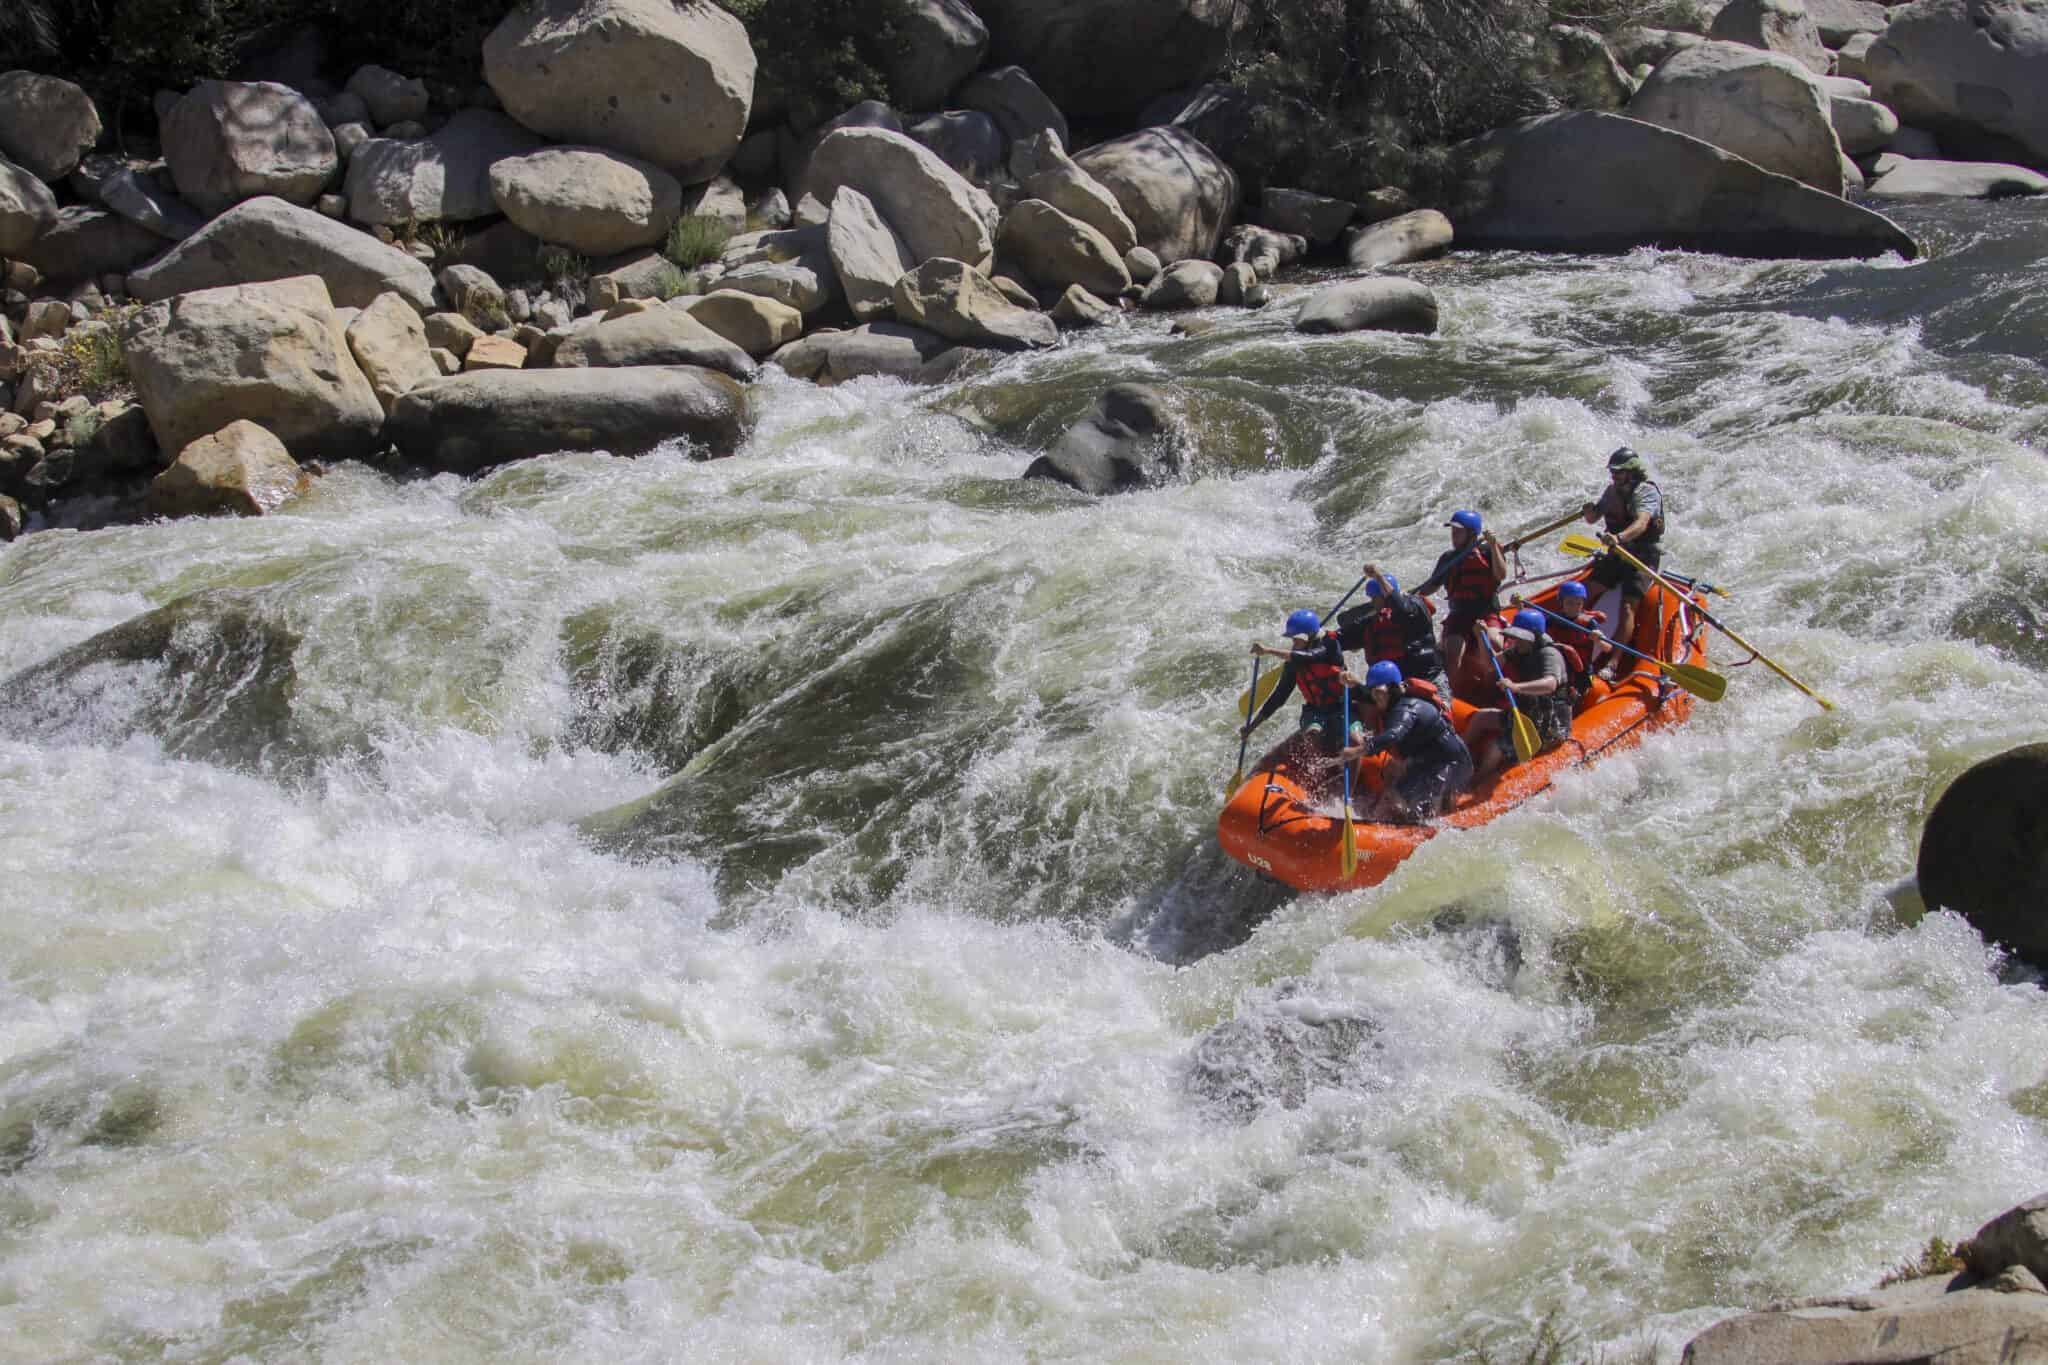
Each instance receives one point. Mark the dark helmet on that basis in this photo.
(1624, 457)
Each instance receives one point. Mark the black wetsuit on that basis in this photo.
(1439, 764)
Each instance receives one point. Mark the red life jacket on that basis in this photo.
(1471, 579)
(1321, 683)
(1563, 633)
(1425, 689)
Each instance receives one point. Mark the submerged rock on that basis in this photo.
(1380, 304)
(1279, 1055)
(1984, 852)
(1126, 443)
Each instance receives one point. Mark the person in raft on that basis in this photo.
(1633, 510)
(1315, 665)
(1395, 627)
(1434, 763)
(1535, 671)
(1580, 629)
(1470, 574)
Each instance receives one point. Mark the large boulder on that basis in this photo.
(867, 254)
(268, 239)
(241, 470)
(1840, 21)
(1384, 304)
(1413, 236)
(1577, 64)
(809, 284)
(1984, 851)
(1318, 218)
(1008, 95)
(1763, 107)
(590, 200)
(671, 83)
(1127, 442)
(887, 349)
(273, 353)
(938, 44)
(1058, 250)
(46, 123)
(1177, 193)
(1059, 181)
(84, 244)
(1105, 57)
(1969, 69)
(387, 96)
(473, 421)
(27, 209)
(1922, 1320)
(1862, 126)
(931, 206)
(1781, 26)
(965, 139)
(1601, 182)
(2017, 1237)
(659, 336)
(442, 178)
(755, 323)
(1185, 284)
(145, 200)
(227, 141)
(1909, 179)
(958, 302)
(389, 343)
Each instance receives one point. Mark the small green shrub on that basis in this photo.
(695, 240)
(670, 283)
(1936, 1258)
(91, 360)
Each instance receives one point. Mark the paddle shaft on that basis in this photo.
(1519, 541)
(1699, 681)
(1709, 618)
(1522, 740)
(1252, 699)
(1244, 737)
(1349, 863)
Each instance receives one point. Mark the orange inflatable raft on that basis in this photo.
(1287, 819)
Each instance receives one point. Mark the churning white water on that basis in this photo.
(768, 910)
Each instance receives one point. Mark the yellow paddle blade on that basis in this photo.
(1236, 781)
(1703, 683)
(1582, 547)
(1349, 861)
(1247, 703)
(1526, 743)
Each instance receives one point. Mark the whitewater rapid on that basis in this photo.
(768, 909)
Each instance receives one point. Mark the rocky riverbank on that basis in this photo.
(389, 269)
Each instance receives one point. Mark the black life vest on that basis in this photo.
(1618, 518)
(1470, 582)
(1411, 645)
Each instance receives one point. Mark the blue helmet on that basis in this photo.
(1372, 585)
(1304, 622)
(1529, 619)
(1572, 590)
(1385, 673)
(1467, 519)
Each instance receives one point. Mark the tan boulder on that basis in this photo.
(46, 123)
(1781, 26)
(658, 336)
(27, 209)
(494, 353)
(227, 141)
(756, 324)
(1058, 250)
(389, 343)
(590, 200)
(1412, 236)
(958, 302)
(269, 239)
(1178, 194)
(242, 470)
(935, 210)
(866, 253)
(1765, 108)
(1063, 184)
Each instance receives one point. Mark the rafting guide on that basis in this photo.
(1436, 734)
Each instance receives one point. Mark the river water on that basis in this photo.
(768, 910)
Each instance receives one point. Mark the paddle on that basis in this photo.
(1583, 546)
(1519, 541)
(1702, 683)
(1349, 862)
(1251, 700)
(1526, 743)
(1245, 737)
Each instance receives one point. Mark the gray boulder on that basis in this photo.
(1781, 26)
(1265, 250)
(1241, 286)
(939, 43)
(227, 141)
(890, 350)
(241, 470)
(1915, 1321)
(1576, 62)
(1840, 21)
(1413, 236)
(1185, 284)
(269, 239)
(1975, 71)
(85, 244)
(1381, 304)
(928, 203)
(1984, 850)
(1178, 194)
(1128, 442)
(46, 123)
(387, 96)
(1107, 57)
(1601, 182)
(1908, 179)
(475, 295)
(2017, 1237)
(660, 336)
(473, 421)
(1763, 107)
(719, 199)
(1057, 250)
(443, 178)
(809, 285)
(1651, 47)
(866, 253)
(1318, 218)
(594, 202)
(1143, 265)
(144, 200)
(958, 302)
(1059, 181)
(1862, 126)
(670, 84)
(1850, 58)
(967, 140)
(755, 323)
(1008, 95)
(1079, 308)
(27, 208)
(389, 343)
(273, 353)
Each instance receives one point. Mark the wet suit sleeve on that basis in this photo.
(1281, 692)
(1398, 726)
